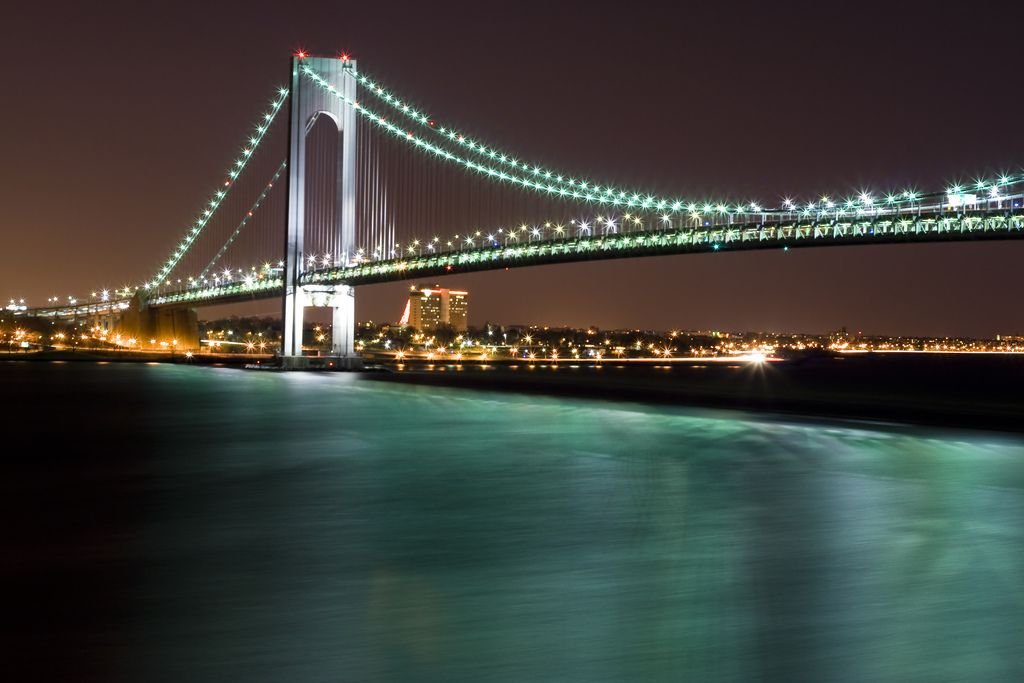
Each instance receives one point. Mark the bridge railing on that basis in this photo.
(773, 230)
(783, 234)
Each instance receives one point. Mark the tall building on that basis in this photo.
(458, 309)
(430, 307)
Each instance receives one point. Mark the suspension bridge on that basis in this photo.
(342, 182)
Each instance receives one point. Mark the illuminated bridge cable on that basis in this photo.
(553, 182)
(452, 135)
(589, 194)
(245, 221)
(498, 156)
(219, 196)
(583, 193)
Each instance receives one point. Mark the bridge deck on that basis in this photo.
(981, 225)
(1001, 224)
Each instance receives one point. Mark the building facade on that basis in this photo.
(431, 307)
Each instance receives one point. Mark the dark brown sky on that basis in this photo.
(119, 118)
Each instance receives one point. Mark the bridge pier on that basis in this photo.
(175, 325)
(308, 102)
(343, 322)
(341, 299)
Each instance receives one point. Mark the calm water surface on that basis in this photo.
(169, 523)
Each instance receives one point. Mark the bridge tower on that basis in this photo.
(308, 102)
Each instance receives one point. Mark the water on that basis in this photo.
(168, 523)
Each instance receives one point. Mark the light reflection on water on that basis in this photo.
(324, 527)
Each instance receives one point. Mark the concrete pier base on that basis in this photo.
(166, 324)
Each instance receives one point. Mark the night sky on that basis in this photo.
(118, 119)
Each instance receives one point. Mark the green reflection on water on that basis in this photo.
(325, 527)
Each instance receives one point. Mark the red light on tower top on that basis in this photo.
(345, 57)
(301, 54)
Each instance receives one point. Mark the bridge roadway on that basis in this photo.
(1007, 223)
(87, 309)
(937, 226)
(979, 225)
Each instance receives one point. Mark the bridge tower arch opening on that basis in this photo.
(328, 208)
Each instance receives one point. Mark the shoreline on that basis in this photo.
(892, 390)
(957, 392)
(105, 356)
